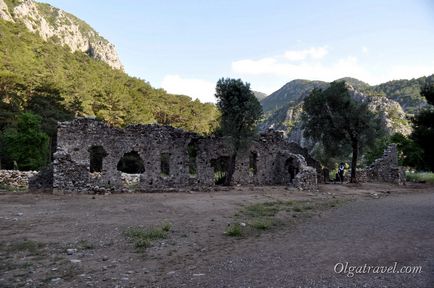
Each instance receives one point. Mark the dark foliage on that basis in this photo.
(240, 113)
(423, 128)
(339, 123)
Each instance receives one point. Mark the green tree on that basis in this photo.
(340, 123)
(423, 127)
(26, 144)
(11, 97)
(88, 86)
(240, 113)
(410, 154)
(47, 102)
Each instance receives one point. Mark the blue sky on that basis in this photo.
(186, 46)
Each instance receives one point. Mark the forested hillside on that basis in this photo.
(30, 67)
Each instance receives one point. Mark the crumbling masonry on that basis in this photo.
(93, 157)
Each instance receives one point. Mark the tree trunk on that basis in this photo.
(231, 170)
(355, 146)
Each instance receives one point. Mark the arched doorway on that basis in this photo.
(131, 163)
(292, 168)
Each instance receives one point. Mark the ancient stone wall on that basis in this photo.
(386, 168)
(297, 149)
(166, 158)
(16, 179)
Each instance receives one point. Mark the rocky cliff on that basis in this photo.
(283, 108)
(60, 27)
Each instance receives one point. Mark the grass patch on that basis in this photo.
(32, 247)
(85, 245)
(420, 177)
(143, 238)
(234, 230)
(8, 188)
(262, 223)
(271, 215)
(262, 209)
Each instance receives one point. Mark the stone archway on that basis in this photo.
(292, 168)
(131, 163)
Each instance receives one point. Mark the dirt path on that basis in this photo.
(393, 229)
(382, 224)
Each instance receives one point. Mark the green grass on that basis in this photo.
(422, 177)
(29, 246)
(262, 223)
(234, 230)
(264, 216)
(143, 238)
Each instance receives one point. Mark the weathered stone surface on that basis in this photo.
(307, 179)
(386, 169)
(297, 149)
(362, 176)
(269, 159)
(52, 23)
(4, 12)
(15, 178)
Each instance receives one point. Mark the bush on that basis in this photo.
(234, 230)
(142, 238)
(421, 177)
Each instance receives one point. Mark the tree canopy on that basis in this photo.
(423, 128)
(340, 123)
(25, 144)
(240, 112)
(239, 108)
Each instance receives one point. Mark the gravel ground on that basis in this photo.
(380, 225)
(398, 228)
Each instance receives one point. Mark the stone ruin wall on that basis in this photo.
(16, 179)
(70, 170)
(71, 165)
(386, 168)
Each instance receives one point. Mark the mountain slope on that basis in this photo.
(406, 92)
(260, 95)
(88, 86)
(291, 93)
(60, 27)
(284, 107)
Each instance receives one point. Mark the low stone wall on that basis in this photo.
(307, 179)
(16, 179)
(384, 169)
(361, 176)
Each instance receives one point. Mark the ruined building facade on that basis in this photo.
(93, 156)
(384, 169)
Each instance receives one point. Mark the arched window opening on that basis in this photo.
(165, 164)
(96, 157)
(221, 166)
(253, 160)
(131, 163)
(192, 155)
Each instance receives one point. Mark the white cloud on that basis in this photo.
(313, 53)
(307, 70)
(195, 88)
(408, 72)
(365, 50)
(327, 71)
